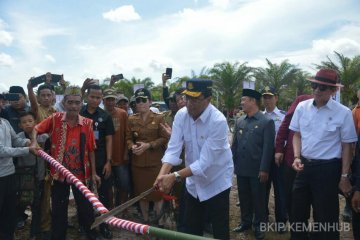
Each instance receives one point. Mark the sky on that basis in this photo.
(95, 39)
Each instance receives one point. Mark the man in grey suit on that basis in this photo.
(252, 147)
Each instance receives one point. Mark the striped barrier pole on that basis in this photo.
(113, 221)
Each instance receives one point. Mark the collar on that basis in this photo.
(80, 119)
(96, 110)
(276, 111)
(330, 103)
(257, 115)
(206, 113)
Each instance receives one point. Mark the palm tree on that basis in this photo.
(275, 75)
(125, 86)
(349, 72)
(204, 73)
(228, 79)
(299, 86)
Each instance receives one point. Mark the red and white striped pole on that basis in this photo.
(116, 222)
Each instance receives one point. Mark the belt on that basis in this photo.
(309, 161)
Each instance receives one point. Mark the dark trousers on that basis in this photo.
(289, 178)
(317, 186)
(104, 189)
(7, 207)
(356, 224)
(36, 209)
(217, 208)
(60, 200)
(276, 177)
(252, 196)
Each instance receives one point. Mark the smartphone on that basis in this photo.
(55, 79)
(118, 77)
(12, 96)
(168, 72)
(36, 81)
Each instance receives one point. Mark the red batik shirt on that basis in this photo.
(71, 158)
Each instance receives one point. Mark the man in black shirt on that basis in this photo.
(103, 131)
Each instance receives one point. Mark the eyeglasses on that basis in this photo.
(141, 100)
(321, 87)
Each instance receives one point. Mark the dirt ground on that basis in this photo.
(133, 215)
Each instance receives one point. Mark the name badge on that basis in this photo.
(96, 134)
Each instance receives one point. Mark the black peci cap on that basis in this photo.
(251, 93)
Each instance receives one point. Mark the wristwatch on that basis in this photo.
(346, 175)
(177, 177)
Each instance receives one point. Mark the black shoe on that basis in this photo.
(241, 228)
(259, 234)
(20, 224)
(92, 235)
(106, 232)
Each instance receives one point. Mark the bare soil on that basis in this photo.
(133, 215)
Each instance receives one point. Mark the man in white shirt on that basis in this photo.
(209, 166)
(276, 175)
(324, 134)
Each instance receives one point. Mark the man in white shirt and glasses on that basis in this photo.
(324, 134)
(209, 166)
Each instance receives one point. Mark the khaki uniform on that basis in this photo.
(146, 166)
(168, 117)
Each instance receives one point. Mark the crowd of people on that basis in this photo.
(308, 155)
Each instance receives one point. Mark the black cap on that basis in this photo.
(17, 89)
(179, 90)
(269, 91)
(251, 93)
(142, 93)
(195, 87)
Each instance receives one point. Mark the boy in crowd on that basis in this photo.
(10, 146)
(33, 169)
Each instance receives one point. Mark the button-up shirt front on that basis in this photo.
(253, 144)
(11, 146)
(323, 130)
(277, 116)
(207, 151)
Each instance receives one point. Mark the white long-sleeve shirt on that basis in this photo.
(207, 151)
(10, 146)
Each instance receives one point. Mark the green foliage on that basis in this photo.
(228, 81)
(349, 72)
(288, 80)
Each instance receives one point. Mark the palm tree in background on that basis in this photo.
(125, 86)
(348, 70)
(228, 81)
(275, 75)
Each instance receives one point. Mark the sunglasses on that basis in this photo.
(320, 86)
(141, 100)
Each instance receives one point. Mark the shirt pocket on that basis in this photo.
(329, 132)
